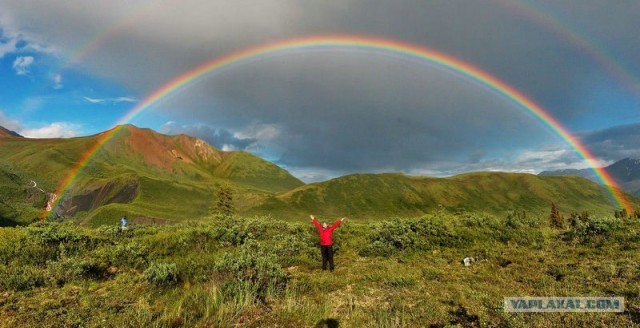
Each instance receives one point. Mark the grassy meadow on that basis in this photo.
(261, 271)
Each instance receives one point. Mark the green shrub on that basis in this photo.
(131, 254)
(594, 230)
(253, 270)
(294, 249)
(377, 248)
(196, 267)
(198, 240)
(232, 235)
(182, 240)
(115, 231)
(23, 277)
(68, 269)
(161, 274)
(9, 238)
(523, 236)
(44, 242)
(410, 234)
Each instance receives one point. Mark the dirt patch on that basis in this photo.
(96, 196)
(164, 151)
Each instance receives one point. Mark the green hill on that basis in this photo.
(380, 195)
(153, 177)
(20, 201)
(141, 173)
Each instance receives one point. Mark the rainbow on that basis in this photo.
(349, 42)
(542, 17)
(102, 36)
(546, 19)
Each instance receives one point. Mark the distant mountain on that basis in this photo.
(389, 195)
(626, 172)
(152, 177)
(585, 173)
(4, 132)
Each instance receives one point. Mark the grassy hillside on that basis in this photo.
(377, 195)
(169, 177)
(153, 177)
(20, 203)
(244, 168)
(261, 272)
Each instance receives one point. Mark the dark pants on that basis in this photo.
(327, 256)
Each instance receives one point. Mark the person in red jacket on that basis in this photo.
(325, 240)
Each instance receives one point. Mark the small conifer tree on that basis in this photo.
(556, 219)
(225, 201)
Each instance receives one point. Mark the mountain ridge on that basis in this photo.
(492, 192)
(167, 178)
(4, 132)
(626, 172)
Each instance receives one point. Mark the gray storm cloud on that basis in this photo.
(347, 110)
(616, 142)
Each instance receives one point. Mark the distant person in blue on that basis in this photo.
(124, 223)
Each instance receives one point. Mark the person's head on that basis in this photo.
(324, 225)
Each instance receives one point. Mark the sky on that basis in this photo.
(75, 67)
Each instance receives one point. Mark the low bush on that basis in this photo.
(292, 249)
(595, 230)
(131, 254)
(115, 231)
(161, 274)
(23, 277)
(411, 234)
(196, 267)
(9, 238)
(251, 269)
(44, 242)
(69, 269)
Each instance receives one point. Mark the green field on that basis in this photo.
(261, 271)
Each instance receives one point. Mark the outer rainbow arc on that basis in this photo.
(352, 42)
(605, 60)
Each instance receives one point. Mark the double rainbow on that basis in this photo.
(349, 42)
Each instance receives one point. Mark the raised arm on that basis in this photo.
(336, 224)
(315, 222)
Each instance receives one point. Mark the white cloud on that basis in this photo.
(93, 100)
(7, 47)
(313, 174)
(532, 161)
(555, 158)
(14, 41)
(260, 132)
(22, 63)
(57, 82)
(52, 130)
(115, 100)
(227, 147)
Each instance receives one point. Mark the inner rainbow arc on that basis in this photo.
(410, 51)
